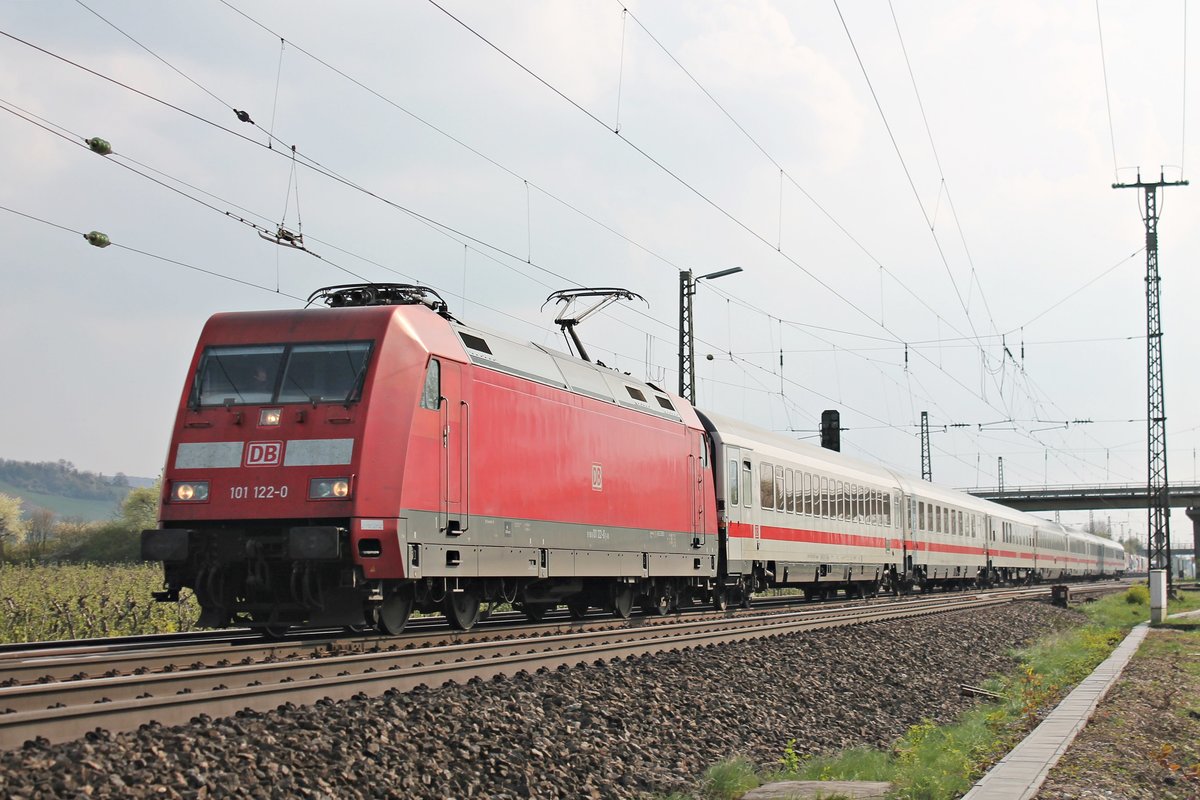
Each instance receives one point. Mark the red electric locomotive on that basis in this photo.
(343, 465)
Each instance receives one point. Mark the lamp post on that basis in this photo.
(687, 346)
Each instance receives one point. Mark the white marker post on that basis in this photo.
(1158, 596)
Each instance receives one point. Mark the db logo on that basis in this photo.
(597, 478)
(263, 454)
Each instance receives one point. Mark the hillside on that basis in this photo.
(65, 490)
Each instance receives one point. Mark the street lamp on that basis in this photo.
(687, 346)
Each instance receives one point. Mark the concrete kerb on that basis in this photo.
(1020, 774)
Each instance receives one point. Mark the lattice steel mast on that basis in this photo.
(1158, 500)
(926, 464)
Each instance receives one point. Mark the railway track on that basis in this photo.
(172, 685)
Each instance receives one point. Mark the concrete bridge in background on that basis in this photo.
(1084, 497)
(1101, 497)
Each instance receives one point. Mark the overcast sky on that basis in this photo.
(944, 211)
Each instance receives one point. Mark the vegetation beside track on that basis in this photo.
(932, 762)
(81, 601)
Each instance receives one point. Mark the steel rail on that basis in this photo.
(131, 686)
(268, 685)
(92, 661)
(103, 657)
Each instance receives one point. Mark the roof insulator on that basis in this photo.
(97, 239)
(99, 145)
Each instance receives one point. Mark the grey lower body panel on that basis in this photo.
(492, 547)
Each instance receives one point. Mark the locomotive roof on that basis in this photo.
(479, 346)
(552, 367)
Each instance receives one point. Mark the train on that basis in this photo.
(370, 455)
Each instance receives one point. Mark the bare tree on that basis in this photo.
(39, 531)
(12, 527)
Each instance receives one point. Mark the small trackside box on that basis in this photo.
(165, 545)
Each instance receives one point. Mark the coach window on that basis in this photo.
(921, 515)
(747, 490)
(823, 500)
(779, 488)
(806, 492)
(789, 490)
(766, 485)
(731, 477)
(937, 519)
(432, 392)
(842, 488)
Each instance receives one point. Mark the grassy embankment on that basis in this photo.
(931, 762)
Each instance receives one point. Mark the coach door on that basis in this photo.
(453, 413)
(739, 503)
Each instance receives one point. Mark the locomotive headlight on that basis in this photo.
(269, 417)
(189, 491)
(328, 488)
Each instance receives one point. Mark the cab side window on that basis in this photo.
(432, 393)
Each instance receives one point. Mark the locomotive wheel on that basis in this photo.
(461, 609)
(657, 604)
(622, 602)
(268, 626)
(720, 600)
(536, 612)
(577, 607)
(272, 633)
(393, 613)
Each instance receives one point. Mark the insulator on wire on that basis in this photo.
(99, 145)
(97, 239)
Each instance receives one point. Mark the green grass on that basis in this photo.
(933, 762)
(729, 779)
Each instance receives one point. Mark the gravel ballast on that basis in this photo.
(646, 725)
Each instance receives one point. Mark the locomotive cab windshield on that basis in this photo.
(323, 372)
